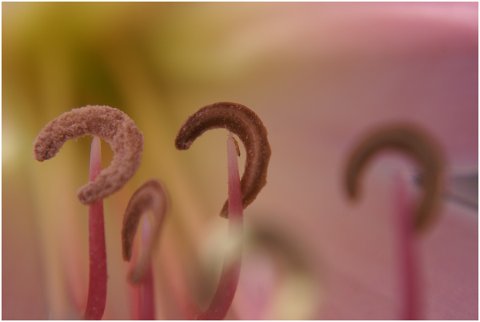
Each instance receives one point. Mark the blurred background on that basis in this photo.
(319, 76)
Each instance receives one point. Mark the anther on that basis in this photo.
(108, 123)
(243, 122)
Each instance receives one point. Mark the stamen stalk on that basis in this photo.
(227, 286)
(97, 286)
(408, 269)
(147, 303)
(147, 292)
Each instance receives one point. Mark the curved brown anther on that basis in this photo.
(108, 123)
(150, 196)
(243, 122)
(413, 141)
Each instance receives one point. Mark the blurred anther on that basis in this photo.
(416, 143)
(150, 196)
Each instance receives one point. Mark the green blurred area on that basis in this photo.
(149, 60)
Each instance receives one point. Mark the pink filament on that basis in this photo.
(143, 294)
(134, 291)
(97, 286)
(409, 274)
(147, 297)
(227, 286)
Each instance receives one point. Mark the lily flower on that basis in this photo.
(320, 77)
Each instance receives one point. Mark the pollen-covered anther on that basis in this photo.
(108, 123)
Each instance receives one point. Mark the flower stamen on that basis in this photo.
(423, 149)
(126, 141)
